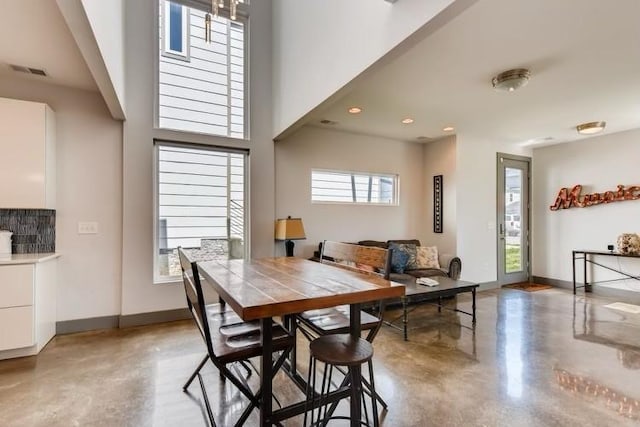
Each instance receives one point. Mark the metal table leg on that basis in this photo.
(473, 304)
(404, 318)
(266, 372)
(356, 373)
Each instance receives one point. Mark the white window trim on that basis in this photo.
(242, 17)
(157, 279)
(394, 176)
(186, 33)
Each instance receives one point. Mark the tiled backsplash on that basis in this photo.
(34, 230)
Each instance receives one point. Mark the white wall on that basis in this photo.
(440, 159)
(107, 22)
(98, 30)
(313, 147)
(598, 164)
(89, 188)
(319, 46)
(476, 205)
(139, 294)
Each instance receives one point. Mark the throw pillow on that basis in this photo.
(427, 257)
(410, 250)
(398, 261)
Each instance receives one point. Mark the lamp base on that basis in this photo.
(289, 245)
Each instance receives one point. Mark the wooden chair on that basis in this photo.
(336, 320)
(228, 339)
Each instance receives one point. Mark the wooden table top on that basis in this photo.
(270, 287)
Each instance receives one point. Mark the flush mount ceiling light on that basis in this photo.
(448, 129)
(407, 121)
(355, 110)
(590, 128)
(511, 80)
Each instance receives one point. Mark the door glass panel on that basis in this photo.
(512, 219)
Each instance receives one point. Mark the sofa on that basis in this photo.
(450, 265)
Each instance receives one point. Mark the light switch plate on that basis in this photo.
(87, 228)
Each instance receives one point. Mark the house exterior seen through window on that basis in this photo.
(201, 85)
(200, 205)
(353, 187)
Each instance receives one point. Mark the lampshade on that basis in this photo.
(289, 229)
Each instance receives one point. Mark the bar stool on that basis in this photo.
(339, 350)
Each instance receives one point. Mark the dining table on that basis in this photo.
(264, 288)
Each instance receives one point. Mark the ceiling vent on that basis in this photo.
(28, 70)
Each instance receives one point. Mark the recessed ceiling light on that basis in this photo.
(407, 121)
(511, 80)
(591, 128)
(355, 110)
(448, 129)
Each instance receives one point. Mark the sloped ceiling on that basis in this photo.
(35, 35)
(583, 56)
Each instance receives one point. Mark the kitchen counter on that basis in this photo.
(15, 259)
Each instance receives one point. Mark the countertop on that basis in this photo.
(14, 259)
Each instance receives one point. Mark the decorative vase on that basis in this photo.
(629, 244)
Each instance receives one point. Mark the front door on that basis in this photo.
(513, 219)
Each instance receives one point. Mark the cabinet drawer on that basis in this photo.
(16, 327)
(16, 285)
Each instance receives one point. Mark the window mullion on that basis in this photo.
(228, 78)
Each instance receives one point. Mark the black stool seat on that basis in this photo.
(341, 350)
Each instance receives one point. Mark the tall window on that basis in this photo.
(200, 205)
(201, 85)
(353, 187)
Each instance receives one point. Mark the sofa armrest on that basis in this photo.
(451, 264)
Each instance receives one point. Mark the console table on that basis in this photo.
(587, 258)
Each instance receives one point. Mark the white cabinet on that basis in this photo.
(27, 307)
(27, 159)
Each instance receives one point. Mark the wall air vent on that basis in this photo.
(28, 70)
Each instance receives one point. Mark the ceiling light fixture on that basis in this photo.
(355, 110)
(407, 121)
(590, 128)
(448, 129)
(216, 5)
(511, 80)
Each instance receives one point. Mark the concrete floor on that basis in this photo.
(544, 358)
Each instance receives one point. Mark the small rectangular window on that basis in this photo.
(176, 31)
(353, 187)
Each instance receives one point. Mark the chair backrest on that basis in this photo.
(195, 296)
(356, 257)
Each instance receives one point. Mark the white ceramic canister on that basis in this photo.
(5, 242)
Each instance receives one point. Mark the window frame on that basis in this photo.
(157, 143)
(185, 54)
(394, 176)
(242, 16)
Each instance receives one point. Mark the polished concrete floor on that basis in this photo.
(543, 358)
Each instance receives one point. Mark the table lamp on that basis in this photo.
(289, 229)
